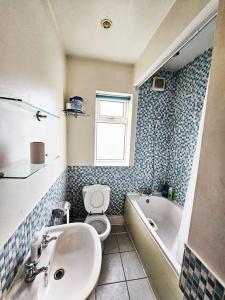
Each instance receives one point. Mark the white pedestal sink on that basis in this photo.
(77, 251)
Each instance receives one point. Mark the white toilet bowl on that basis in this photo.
(101, 224)
(96, 201)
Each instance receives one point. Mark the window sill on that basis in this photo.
(111, 164)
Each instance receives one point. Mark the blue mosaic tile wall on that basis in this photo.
(197, 282)
(152, 107)
(191, 84)
(167, 124)
(18, 246)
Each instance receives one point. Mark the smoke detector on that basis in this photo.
(106, 23)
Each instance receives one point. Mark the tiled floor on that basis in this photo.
(122, 276)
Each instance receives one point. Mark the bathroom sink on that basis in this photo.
(74, 263)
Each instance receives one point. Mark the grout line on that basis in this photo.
(123, 268)
(138, 255)
(128, 290)
(133, 250)
(125, 276)
(121, 251)
(111, 282)
(120, 254)
(127, 251)
(136, 279)
(110, 253)
(118, 246)
(128, 280)
(131, 244)
(146, 277)
(117, 243)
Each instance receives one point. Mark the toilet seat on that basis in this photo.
(96, 199)
(101, 224)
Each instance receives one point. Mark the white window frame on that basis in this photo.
(126, 119)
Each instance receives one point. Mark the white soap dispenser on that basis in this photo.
(36, 247)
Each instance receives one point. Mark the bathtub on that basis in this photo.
(153, 223)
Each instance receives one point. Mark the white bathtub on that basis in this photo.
(159, 211)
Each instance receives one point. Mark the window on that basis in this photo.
(112, 129)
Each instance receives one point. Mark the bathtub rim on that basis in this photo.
(171, 260)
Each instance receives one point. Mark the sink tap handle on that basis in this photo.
(45, 236)
(32, 271)
(30, 268)
(46, 239)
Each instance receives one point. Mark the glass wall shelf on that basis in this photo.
(24, 169)
(26, 105)
(71, 112)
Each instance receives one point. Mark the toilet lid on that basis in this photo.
(96, 199)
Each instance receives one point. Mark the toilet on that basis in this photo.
(96, 201)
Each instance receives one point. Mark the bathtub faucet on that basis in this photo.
(148, 193)
(145, 192)
(153, 193)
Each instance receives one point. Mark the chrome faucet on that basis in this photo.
(146, 192)
(31, 271)
(46, 239)
(149, 193)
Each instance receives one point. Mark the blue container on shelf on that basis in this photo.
(77, 103)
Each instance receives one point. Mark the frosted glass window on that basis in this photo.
(111, 108)
(110, 141)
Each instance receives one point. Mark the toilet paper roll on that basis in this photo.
(69, 105)
(37, 153)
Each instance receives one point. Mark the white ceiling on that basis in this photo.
(134, 23)
(200, 43)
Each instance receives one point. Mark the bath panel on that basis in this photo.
(161, 269)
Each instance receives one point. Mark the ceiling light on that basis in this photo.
(106, 23)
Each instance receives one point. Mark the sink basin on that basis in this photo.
(74, 263)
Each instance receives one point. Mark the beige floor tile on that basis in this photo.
(113, 291)
(125, 243)
(132, 266)
(140, 290)
(112, 270)
(111, 245)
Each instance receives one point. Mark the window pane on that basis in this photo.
(111, 108)
(110, 141)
